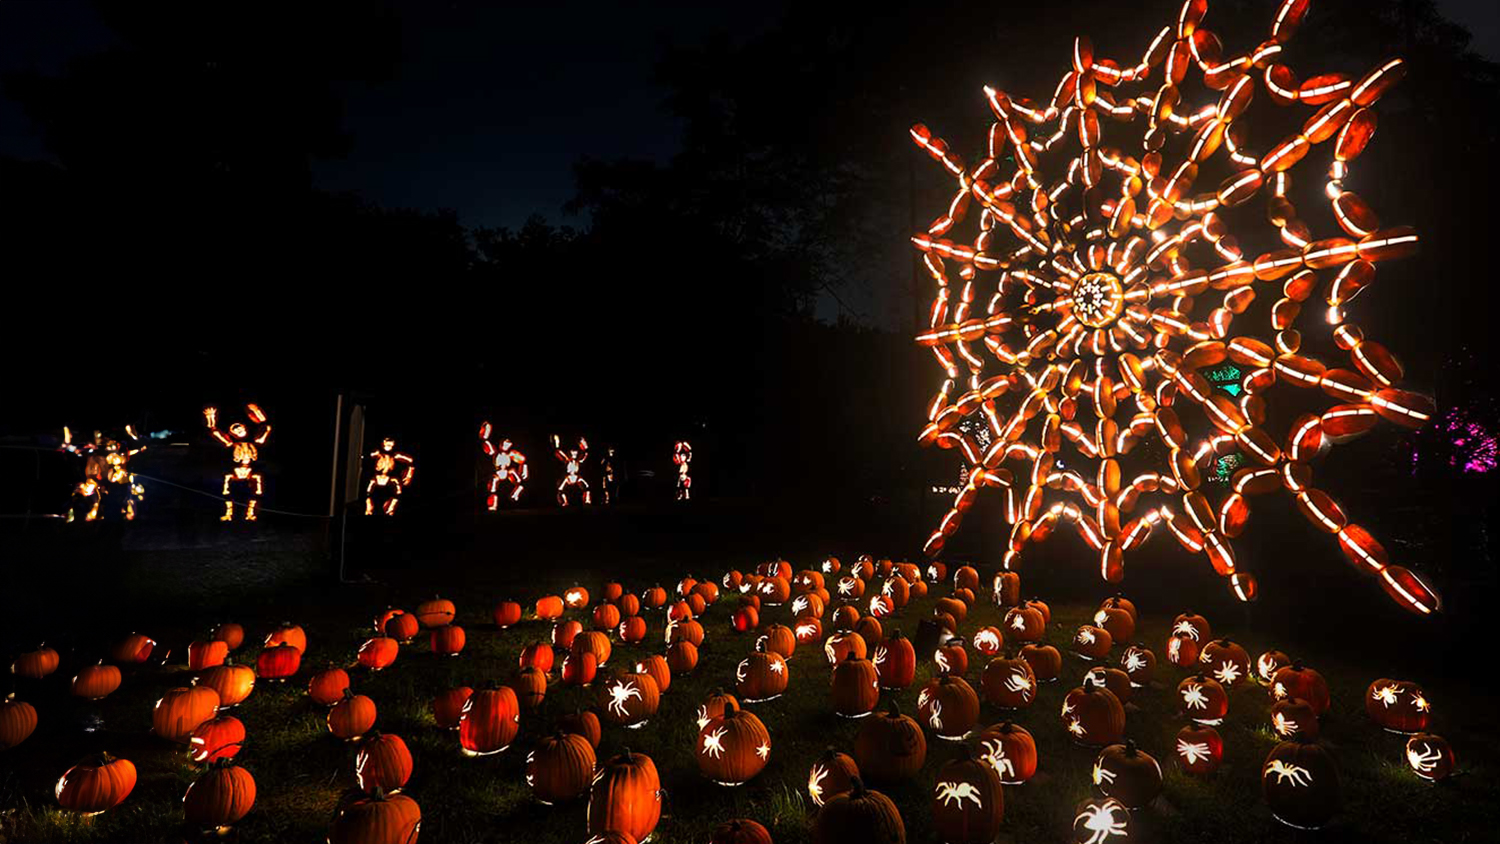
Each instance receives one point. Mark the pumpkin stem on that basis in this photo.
(1130, 747)
(892, 708)
(856, 788)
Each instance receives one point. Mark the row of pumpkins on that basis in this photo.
(733, 744)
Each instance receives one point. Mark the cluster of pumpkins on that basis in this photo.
(733, 745)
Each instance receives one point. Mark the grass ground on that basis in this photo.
(302, 770)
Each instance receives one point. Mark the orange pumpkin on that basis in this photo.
(967, 801)
(656, 666)
(576, 598)
(179, 712)
(35, 664)
(538, 654)
(219, 798)
(579, 669)
(1294, 718)
(685, 631)
(745, 618)
(682, 657)
(628, 700)
(582, 723)
(327, 687)
(1046, 662)
(217, 738)
(1301, 784)
(779, 638)
(531, 687)
(1199, 749)
(1091, 642)
(288, 633)
(613, 592)
(740, 831)
(629, 604)
(633, 629)
(870, 629)
(133, 649)
(206, 654)
(1093, 716)
(278, 662)
(626, 797)
(842, 644)
(949, 705)
(1226, 662)
(549, 608)
(596, 643)
(1202, 699)
(854, 687)
(17, 720)
(859, 814)
(831, 775)
(230, 634)
(762, 676)
(889, 746)
(1139, 664)
(378, 652)
(436, 612)
(1025, 624)
(448, 706)
(1113, 679)
(560, 768)
(490, 721)
(564, 632)
(352, 717)
(606, 617)
(1011, 750)
(403, 627)
(448, 640)
(1128, 774)
(1297, 681)
(383, 762)
(895, 662)
(507, 613)
(377, 819)
(96, 682)
(234, 683)
(1008, 682)
(734, 747)
(96, 784)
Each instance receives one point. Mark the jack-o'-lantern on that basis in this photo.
(850, 588)
(1297, 681)
(1193, 626)
(895, 662)
(763, 676)
(96, 682)
(809, 604)
(37, 664)
(890, 747)
(1024, 624)
(1293, 717)
(1005, 590)
(1202, 699)
(530, 685)
(715, 705)
(403, 627)
(96, 784)
(831, 775)
(1008, 682)
(1093, 716)
(1182, 651)
(278, 662)
(967, 801)
(779, 638)
(988, 640)
(685, 631)
(327, 686)
(951, 658)
(383, 762)
(1128, 774)
(576, 598)
(948, 705)
(233, 683)
(1119, 602)
(936, 572)
(579, 669)
(1100, 821)
(1010, 750)
(1046, 662)
(436, 612)
(682, 657)
(181, 710)
(392, 818)
(1398, 706)
(845, 617)
(898, 591)
(1429, 756)
(1199, 749)
(1040, 606)
(1090, 642)
(217, 738)
(841, 644)
(1117, 621)
(17, 721)
(538, 654)
(1113, 679)
(491, 718)
(507, 614)
(1139, 664)
(378, 653)
(448, 707)
(560, 768)
(709, 592)
(352, 717)
(656, 666)
(1268, 663)
(628, 700)
(774, 591)
(582, 723)
(632, 629)
(290, 634)
(206, 653)
(685, 586)
(734, 747)
(967, 577)
(680, 611)
(854, 687)
(863, 568)
(1301, 784)
(1226, 662)
(859, 814)
(626, 796)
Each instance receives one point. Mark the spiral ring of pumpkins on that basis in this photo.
(1299, 779)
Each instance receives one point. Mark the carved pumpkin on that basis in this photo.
(1226, 662)
(560, 768)
(289, 634)
(1046, 662)
(448, 707)
(854, 687)
(1006, 589)
(1040, 606)
(843, 643)
(890, 747)
(1193, 626)
(626, 796)
(936, 572)
(1010, 750)
(1396, 705)
(35, 664)
(1199, 749)
(448, 640)
(278, 662)
(377, 819)
(1099, 821)
(1119, 602)
(17, 721)
(1117, 621)
(1008, 682)
(181, 710)
(96, 682)
(378, 652)
(859, 814)
(1202, 699)
(217, 738)
(219, 798)
(1182, 651)
(327, 687)
(133, 649)
(383, 762)
(717, 704)
(489, 723)
(577, 598)
(763, 676)
(967, 803)
(831, 775)
(988, 640)
(895, 662)
(530, 685)
(775, 591)
(1429, 756)
(1113, 679)
(403, 627)
(897, 590)
(967, 577)
(206, 654)
(1139, 664)
(850, 588)
(234, 683)
(1293, 717)
(1301, 784)
(808, 629)
(656, 666)
(538, 654)
(230, 634)
(831, 565)
(734, 747)
(1296, 681)
(809, 604)
(1268, 663)
(845, 617)
(1128, 774)
(582, 723)
(863, 568)
(579, 669)
(607, 617)
(779, 638)
(632, 630)
(1091, 642)
(682, 657)
(1093, 716)
(948, 705)
(549, 607)
(96, 784)
(628, 700)
(436, 612)
(507, 614)
(596, 642)
(351, 717)
(951, 658)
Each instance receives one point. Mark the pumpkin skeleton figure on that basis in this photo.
(389, 485)
(510, 468)
(105, 471)
(572, 461)
(243, 450)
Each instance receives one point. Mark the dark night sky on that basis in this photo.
(492, 103)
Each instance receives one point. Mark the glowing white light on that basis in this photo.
(1018, 623)
(1186, 628)
(1193, 752)
(1134, 661)
(935, 715)
(994, 754)
(958, 792)
(1283, 725)
(620, 694)
(1228, 673)
(764, 751)
(703, 718)
(1385, 694)
(1103, 775)
(1193, 696)
(1294, 774)
(1020, 683)
(942, 661)
(713, 743)
(815, 783)
(1076, 727)
(1100, 820)
(1424, 760)
(1086, 636)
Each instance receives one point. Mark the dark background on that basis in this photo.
(638, 226)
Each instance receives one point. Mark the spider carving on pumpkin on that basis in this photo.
(1284, 773)
(1192, 751)
(958, 792)
(620, 694)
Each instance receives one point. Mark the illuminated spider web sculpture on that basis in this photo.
(1112, 278)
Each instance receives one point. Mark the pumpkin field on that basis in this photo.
(538, 713)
